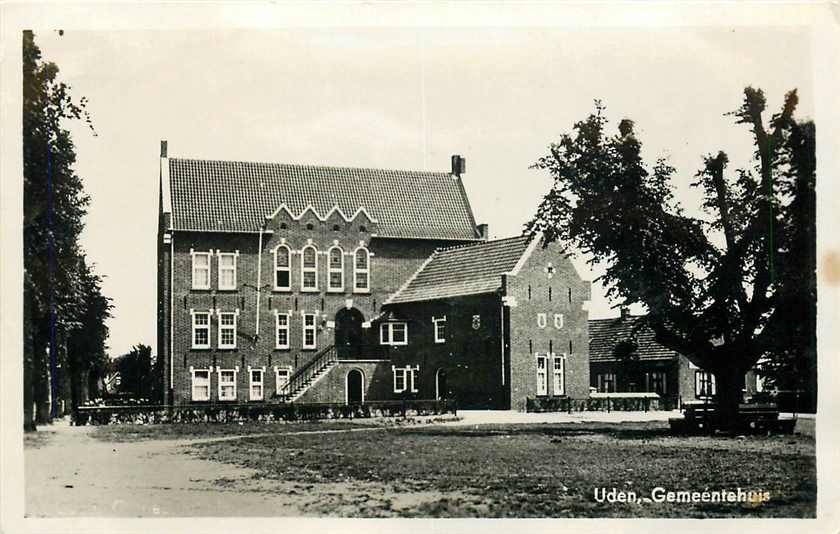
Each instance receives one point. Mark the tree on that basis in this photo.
(56, 288)
(725, 288)
(136, 369)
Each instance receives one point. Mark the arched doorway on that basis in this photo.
(441, 389)
(355, 387)
(348, 333)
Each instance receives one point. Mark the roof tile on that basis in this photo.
(464, 270)
(605, 334)
(231, 196)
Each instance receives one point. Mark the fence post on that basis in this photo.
(608, 405)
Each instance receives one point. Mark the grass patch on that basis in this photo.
(548, 470)
(130, 433)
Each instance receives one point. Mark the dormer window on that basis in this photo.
(363, 228)
(393, 334)
(309, 269)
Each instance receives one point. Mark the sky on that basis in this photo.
(402, 98)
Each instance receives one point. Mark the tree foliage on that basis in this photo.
(137, 372)
(65, 310)
(725, 288)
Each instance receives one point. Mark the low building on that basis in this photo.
(624, 356)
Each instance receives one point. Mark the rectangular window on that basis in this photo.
(200, 330)
(606, 382)
(282, 340)
(257, 391)
(309, 337)
(201, 385)
(200, 270)
(227, 330)
(704, 384)
(405, 378)
(281, 376)
(227, 270)
(282, 268)
(542, 376)
(559, 371)
(655, 382)
(393, 334)
(440, 329)
(309, 269)
(227, 384)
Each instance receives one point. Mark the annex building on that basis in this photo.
(299, 283)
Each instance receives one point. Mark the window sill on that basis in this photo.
(227, 348)
(227, 289)
(309, 290)
(200, 348)
(282, 289)
(310, 349)
(336, 290)
(281, 348)
(362, 291)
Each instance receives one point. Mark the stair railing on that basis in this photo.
(310, 369)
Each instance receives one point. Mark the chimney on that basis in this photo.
(625, 312)
(459, 165)
(163, 148)
(483, 231)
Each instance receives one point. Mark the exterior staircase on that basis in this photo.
(305, 377)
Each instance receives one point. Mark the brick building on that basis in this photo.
(294, 283)
(625, 357)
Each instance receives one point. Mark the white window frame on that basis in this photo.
(313, 327)
(193, 384)
(194, 268)
(357, 271)
(338, 270)
(287, 269)
(304, 269)
(542, 375)
(219, 256)
(558, 375)
(711, 382)
(278, 370)
(221, 327)
(194, 327)
(221, 385)
(287, 328)
(386, 334)
(438, 322)
(409, 378)
(252, 383)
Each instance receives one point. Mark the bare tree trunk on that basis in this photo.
(40, 380)
(730, 386)
(28, 349)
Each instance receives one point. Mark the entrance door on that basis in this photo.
(441, 389)
(348, 333)
(355, 387)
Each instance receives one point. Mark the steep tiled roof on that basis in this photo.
(465, 270)
(231, 196)
(605, 334)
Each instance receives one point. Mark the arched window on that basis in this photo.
(282, 268)
(335, 277)
(309, 269)
(361, 271)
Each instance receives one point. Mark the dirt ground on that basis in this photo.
(69, 473)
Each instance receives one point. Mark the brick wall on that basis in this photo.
(332, 386)
(392, 262)
(564, 293)
(470, 357)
